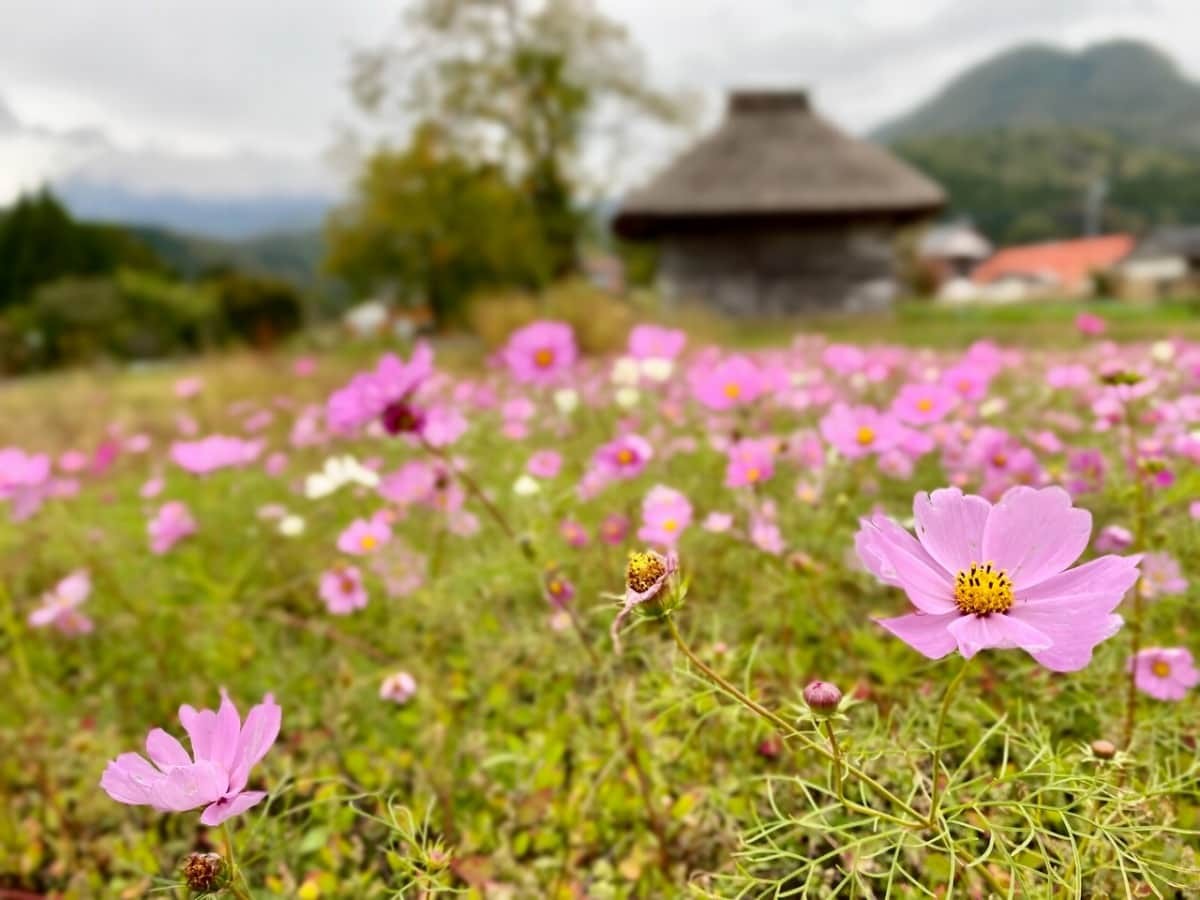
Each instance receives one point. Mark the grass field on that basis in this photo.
(528, 757)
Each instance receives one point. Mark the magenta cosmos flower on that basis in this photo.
(750, 461)
(624, 457)
(923, 404)
(540, 352)
(983, 576)
(364, 536)
(1165, 673)
(342, 590)
(214, 776)
(647, 576)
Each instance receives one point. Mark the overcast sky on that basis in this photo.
(265, 79)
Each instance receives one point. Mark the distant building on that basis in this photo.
(1054, 269)
(953, 250)
(1166, 263)
(779, 212)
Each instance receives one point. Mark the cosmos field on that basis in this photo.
(817, 620)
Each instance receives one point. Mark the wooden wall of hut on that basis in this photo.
(773, 271)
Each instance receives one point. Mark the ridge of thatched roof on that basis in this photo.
(773, 156)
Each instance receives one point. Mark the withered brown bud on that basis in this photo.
(1104, 749)
(202, 871)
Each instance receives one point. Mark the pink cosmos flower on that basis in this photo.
(573, 533)
(342, 590)
(171, 524)
(614, 529)
(399, 687)
(647, 576)
(624, 457)
(152, 487)
(60, 606)
(1113, 539)
(1161, 576)
(1165, 673)
(400, 568)
(215, 452)
(734, 381)
(766, 536)
(984, 576)
(214, 776)
(923, 404)
(656, 342)
(1090, 325)
(751, 461)
(544, 464)
(25, 481)
(559, 589)
(541, 352)
(717, 522)
(969, 382)
(665, 515)
(304, 366)
(189, 387)
(364, 536)
(857, 431)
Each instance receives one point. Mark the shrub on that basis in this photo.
(601, 321)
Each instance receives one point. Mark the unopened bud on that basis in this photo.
(770, 747)
(822, 697)
(202, 871)
(1104, 749)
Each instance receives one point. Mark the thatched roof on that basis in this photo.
(774, 157)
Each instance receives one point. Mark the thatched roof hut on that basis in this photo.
(779, 211)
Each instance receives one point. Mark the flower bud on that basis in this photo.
(822, 697)
(202, 871)
(1104, 749)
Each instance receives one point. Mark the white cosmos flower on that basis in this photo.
(339, 471)
(992, 407)
(657, 368)
(625, 371)
(526, 486)
(566, 400)
(1162, 351)
(291, 526)
(627, 397)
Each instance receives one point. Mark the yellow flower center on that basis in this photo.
(624, 456)
(1161, 668)
(924, 404)
(555, 587)
(368, 542)
(644, 570)
(733, 390)
(544, 358)
(753, 475)
(982, 590)
(670, 525)
(865, 435)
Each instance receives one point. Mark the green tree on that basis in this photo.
(519, 86)
(431, 226)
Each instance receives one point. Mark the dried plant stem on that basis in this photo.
(788, 732)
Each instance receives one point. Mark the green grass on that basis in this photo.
(508, 774)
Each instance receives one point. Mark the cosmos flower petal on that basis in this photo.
(131, 779)
(257, 737)
(950, 527)
(1074, 637)
(1097, 586)
(186, 787)
(928, 586)
(975, 633)
(227, 807)
(165, 750)
(1033, 534)
(928, 635)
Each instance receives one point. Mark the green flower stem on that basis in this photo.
(837, 759)
(788, 732)
(935, 792)
(237, 880)
(1140, 515)
(13, 630)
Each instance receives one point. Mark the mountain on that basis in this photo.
(294, 256)
(1026, 143)
(219, 215)
(1124, 87)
